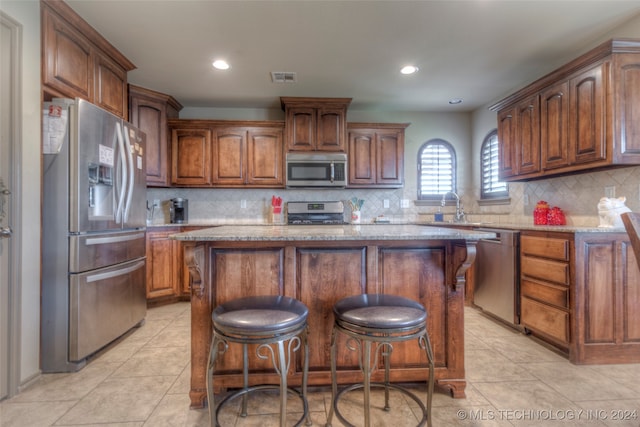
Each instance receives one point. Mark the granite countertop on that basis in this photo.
(329, 232)
(528, 227)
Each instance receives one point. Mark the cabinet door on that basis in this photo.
(110, 86)
(528, 136)
(164, 260)
(229, 156)
(265, 157)
(587, 138)
(68, 63)
(362, 158)
(506, 141)
(301, 129)
(554, 126)
(331, 130)
(390, 159)
(191, 156)
(150, 117)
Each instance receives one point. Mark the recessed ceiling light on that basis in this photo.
(221, 64)
(454, 101)
(409, 69)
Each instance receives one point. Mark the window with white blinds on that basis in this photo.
(492, 187)
(436, 169)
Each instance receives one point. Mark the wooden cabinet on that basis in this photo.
(190, 156)
(575, 119)
(149, 111)
(164, 265)
(579, 292)
(225, 153)
(544, 286)
(376, 155)
(319, 273)
(315, 124)
(248, 157)
(78, 62)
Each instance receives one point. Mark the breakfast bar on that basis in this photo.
(319, 265)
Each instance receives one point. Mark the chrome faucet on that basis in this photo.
(459, 216)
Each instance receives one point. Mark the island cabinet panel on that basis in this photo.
(79, 62)
(324, 276)
(588, 116)
(245, 272)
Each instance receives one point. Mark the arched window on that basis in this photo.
(436, 169)
(491, 187)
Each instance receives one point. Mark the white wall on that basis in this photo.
(28, 14)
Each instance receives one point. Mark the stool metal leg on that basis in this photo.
(334, 377)
(245, 378)
(425, 343)
(305, 370)
(366, 372)
(387, 365)
(213, 355)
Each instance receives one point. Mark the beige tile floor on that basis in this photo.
(512, 381)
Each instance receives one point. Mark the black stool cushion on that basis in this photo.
(380, 311)
(260, 314)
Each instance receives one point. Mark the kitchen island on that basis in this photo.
(320, 265)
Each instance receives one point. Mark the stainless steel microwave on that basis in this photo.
(316, 170)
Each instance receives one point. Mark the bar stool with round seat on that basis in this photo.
(380, 319)
(278, 324)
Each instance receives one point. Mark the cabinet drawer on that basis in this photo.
(552, 271)
(546, 247)
(546, 319)
(551, 294)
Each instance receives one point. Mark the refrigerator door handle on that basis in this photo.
(123, 173)
(130, 173)
(116, 239)
(115, 273)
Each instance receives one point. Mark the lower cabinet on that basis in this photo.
(580, 293)
(167, 278)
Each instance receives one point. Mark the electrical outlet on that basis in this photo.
(526, 200)
(405, 203)
(243, 204)
(156, 203)
(385, 203)
(610, 191)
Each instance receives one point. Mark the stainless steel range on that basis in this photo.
(313, 213)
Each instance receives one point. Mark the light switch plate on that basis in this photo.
(405, 203)
(385, 203)
(243, 204)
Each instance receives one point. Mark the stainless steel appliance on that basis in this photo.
(179, 210)
(316, 170)
(93, 259)
(497, 286)
(312, 213)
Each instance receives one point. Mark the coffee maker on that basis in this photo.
(179, 210)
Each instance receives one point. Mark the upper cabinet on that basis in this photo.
(226, 154)
(315, 124)
(78, 62)
(376, 155)
(581, 117)
(149, 111)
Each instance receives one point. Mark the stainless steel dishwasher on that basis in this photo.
(497, 285)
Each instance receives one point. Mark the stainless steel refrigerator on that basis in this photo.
(94, 224)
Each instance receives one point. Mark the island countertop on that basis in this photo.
(245, 233)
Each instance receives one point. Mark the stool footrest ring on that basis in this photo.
(236, 394)
(401, 389)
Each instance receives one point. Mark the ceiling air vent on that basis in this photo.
(283, 77)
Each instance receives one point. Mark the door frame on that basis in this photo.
(15, 242)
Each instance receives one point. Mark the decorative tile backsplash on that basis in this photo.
(576, 195)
